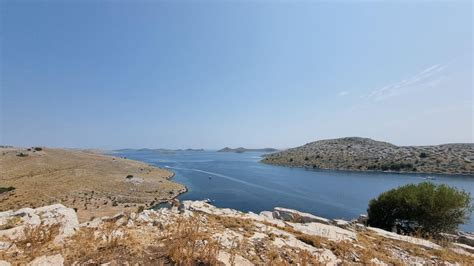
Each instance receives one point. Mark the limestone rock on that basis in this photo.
(16, 221)
(54, 260)
(297, 216)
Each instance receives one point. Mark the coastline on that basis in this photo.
(368, 171)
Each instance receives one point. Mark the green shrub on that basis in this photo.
(396, 166)
(423, 155)
(428, 208)
(6, 189)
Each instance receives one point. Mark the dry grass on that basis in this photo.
(188, 242)
(94, 184)
(376, 246)
(12, 222)
(112, 243)
(34, 241)
(192, 241)
(234, 223)
(314, 241)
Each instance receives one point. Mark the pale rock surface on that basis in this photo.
(280, 231)
(47, 215)
(330, 232)
(228, 238)
(225, 258)
(297, 216)
(409, 239)
(54, 260)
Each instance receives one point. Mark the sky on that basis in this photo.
(209, 74)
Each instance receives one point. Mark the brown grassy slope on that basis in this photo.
(94, 184)
(364, 154)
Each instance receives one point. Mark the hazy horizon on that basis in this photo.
(208, 74)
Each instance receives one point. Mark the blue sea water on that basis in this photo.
(240, 181)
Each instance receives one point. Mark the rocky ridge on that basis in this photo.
(363, 154)
(197, 232)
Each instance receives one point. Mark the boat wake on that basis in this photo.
(320, 201)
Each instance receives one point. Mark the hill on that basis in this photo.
(94, 184)
(241, 150)
(363, 154)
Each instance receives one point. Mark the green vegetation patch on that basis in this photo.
(424, 208)
(6, 189)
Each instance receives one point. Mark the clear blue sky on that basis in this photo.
(177, 74)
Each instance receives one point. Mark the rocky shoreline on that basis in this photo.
(52, 235)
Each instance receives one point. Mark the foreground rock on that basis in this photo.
(197, 232)
(362, 154)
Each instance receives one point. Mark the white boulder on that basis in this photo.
(54, 260)
(297, 216)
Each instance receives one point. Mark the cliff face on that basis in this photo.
(366, 154)
(195, 232)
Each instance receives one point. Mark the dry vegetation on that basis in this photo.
(94, 184)
(169, 237)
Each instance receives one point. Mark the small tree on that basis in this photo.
(425, 207)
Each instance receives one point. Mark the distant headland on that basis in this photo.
(364, 154)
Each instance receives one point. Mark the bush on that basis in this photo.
(6, 189)
(427, 208)
(423, 155)
(396, 166)
(129, 177)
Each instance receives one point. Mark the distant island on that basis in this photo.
(161, 150)
(363, 154)
(241, 150)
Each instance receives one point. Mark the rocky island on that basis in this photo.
(242, 149)
(363, 154)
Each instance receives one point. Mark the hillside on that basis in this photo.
(196, 233)
(364, 154)
(241, 150)
(94, 184)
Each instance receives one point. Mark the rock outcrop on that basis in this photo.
(214, 235)
(15, 223)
